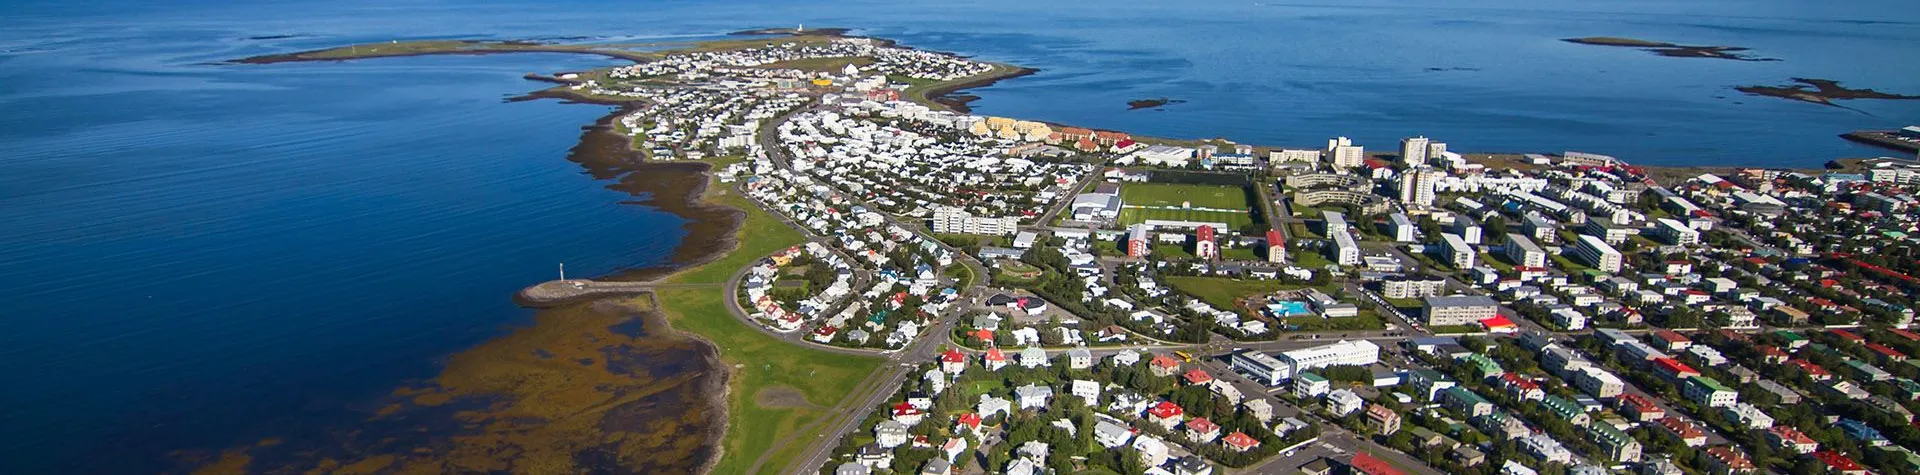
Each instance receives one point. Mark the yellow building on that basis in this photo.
(1035, 131)
(980, 129)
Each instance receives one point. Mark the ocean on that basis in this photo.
(199, 253)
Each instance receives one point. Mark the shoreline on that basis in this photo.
(948, 95)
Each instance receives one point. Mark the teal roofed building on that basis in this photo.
(1465, 402)
(1484, 366)
(1619, 446)
(1566, 410)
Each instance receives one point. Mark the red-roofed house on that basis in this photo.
(1671, 341)
(1788, 438)
(1366, 464)
(1672, 369)
(1908, 335)
(1839, 464)
(1239, 442)
(1197, 376)
(1773, 355)
(1499, 324)
(1521, 388)
(1640, 408)
(1163, 365)
(1846, 335)
(1687, 431)
(1887, 352)
(1202, 430)
(1167, 414)
(994, 360)
(953, 362)
(905, 413)
(1725, 460)
(1813, 370)
(969, 422)
(1114, 139)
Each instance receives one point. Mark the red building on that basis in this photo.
(1276, 246)
(1137, 241)
(1203, 245)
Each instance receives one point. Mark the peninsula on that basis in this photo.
(875, 280)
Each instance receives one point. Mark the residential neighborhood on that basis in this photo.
(1070, 300)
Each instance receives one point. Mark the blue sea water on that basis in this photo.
(198, 253)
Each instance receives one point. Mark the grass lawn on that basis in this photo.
(761, 235)
(1169, 194)
(1132, 216)
(962, 274)
(1405, 304)
(1171, 251)
(1309, 259)
(1242, 253)
(918, 92)
(1569, 265)
(1220, 292)
(973, 391)
(763, 362)
(1299, 230)
(1498, 263)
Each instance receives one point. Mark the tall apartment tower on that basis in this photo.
(1413, 151)
(1436, 149)
(1344, 154)
(1416, 186)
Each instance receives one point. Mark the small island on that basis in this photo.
(1151, 103)
(1670, 49)
(1819, 91)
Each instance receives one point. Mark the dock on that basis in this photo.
(1889, 139)
(559, 291)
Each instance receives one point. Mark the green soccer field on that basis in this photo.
(1168, 194)
(1132, 216)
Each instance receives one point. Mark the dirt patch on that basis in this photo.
(781, 397)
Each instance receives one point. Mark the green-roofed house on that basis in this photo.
(1424, 437)
(1708, 392)
(1566, 410)
(1309, 385)
(1906, 388)
(1484, 366)
(1794, 339)
(1619, 446)
(1869, 372)
(1465, 402)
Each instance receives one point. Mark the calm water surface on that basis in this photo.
(197, 253)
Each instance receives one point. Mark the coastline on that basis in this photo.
(949, 96)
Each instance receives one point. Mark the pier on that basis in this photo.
(566, 290)
(1891, 139)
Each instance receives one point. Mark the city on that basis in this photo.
(1063, 299)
